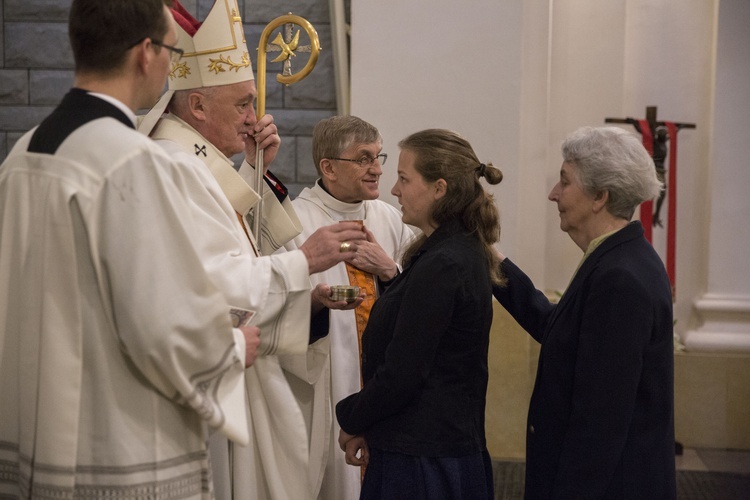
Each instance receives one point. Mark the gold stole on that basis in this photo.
(366, 283)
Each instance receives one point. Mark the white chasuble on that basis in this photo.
(331, 476)
(116, 348)
(277, 287)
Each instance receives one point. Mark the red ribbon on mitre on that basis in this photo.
(185, 19)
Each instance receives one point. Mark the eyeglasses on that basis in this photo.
(175, 54)
(366, 161)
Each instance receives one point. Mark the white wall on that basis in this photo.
(516, 77)
(586, 73)
(439, 63)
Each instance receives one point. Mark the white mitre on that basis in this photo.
(215, 50)
(215, 53)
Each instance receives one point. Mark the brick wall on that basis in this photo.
(36, 70)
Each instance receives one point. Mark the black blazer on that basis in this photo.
(600, 422)
(425, 354)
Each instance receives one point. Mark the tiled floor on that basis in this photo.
(702, 474)
(704, 459)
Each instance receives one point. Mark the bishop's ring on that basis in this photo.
(345, 246)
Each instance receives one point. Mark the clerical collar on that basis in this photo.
(116, 102)
(324, 188)
(319, 182)
(346, 210)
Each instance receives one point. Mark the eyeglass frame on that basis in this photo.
(172, 50)
(366, 161)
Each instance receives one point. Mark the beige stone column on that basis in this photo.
(722, 313)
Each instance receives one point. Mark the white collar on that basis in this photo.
(339, 206)
(119, 104)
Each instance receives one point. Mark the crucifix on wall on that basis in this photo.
(656, 135)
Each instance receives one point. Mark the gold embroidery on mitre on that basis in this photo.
(179, 70)
(237, 19)
(217, 65)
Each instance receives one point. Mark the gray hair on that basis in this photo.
(613, 160)
(332, 136)
(179, 103)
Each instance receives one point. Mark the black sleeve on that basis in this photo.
(320, 325)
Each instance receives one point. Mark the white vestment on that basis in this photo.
(115, 346)
(330, 475)
(274, 465)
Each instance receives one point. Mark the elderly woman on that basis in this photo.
(424, 361)
(600, 421)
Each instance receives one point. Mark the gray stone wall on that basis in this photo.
(36, 70)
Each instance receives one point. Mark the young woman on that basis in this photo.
(418, 421)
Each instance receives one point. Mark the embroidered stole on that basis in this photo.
(366, 283)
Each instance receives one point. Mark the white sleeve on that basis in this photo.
(171, 319)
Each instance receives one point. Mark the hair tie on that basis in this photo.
(480, 169)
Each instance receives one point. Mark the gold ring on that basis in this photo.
(345, 246)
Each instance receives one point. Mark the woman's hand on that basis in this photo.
(352, 447)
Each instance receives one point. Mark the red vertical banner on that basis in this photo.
(647, 207)
(672, 205)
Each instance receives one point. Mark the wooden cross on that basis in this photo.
(658, 132)
(655, 136)
(650, 118)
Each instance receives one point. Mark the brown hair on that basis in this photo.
(102, 31)
(442, 154)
